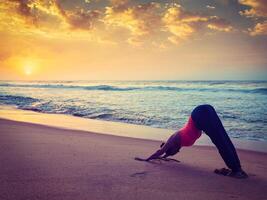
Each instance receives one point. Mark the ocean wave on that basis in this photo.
(57, 86)
(262, 90)
(100, 116)
(62, 86)
(108, 87)
(206, 89)
(17, 100)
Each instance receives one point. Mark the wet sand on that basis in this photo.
(42, 162)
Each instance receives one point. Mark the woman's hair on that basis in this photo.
(162, 144)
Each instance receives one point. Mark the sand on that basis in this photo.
(42, 162)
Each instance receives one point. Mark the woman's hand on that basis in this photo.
(140, 159)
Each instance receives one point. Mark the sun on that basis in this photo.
(28, 70)
(29, 67)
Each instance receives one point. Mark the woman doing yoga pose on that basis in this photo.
(203, 118)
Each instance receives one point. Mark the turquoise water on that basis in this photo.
(241, 105)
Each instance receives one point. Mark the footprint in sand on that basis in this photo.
(139, 174)
(251, 174)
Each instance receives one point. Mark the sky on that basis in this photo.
(133, 40)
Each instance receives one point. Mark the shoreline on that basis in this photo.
(111, 128)
(44, 162)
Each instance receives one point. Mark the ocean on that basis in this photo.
(241, 105)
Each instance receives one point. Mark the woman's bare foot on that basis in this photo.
(222, 171)
(240, 174)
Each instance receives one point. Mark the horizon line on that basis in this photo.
(135, 80)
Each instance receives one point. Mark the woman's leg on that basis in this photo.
(206, 119)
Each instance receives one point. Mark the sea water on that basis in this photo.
(241, 105)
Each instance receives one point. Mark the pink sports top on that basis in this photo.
(189, 133)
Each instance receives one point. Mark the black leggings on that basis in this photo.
(207, 120)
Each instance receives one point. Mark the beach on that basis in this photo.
(43, 162)
(95, 97)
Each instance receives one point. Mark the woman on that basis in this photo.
(203, 118)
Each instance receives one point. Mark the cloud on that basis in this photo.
(39, 12)
(118, 3)
(210, 7)
(77, 18)
(119, 21)
(180, 23)
(258, 11)
(219, 24)
(23, 8)
(31, 12)
(183, 24)
(258, 8)
(139, 20)
(81, 19)
(259, 29)
(135, 41)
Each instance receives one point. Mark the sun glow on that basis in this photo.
(29, 67)
(28, 70)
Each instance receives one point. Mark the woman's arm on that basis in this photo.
(170, 142)
(155, 155)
